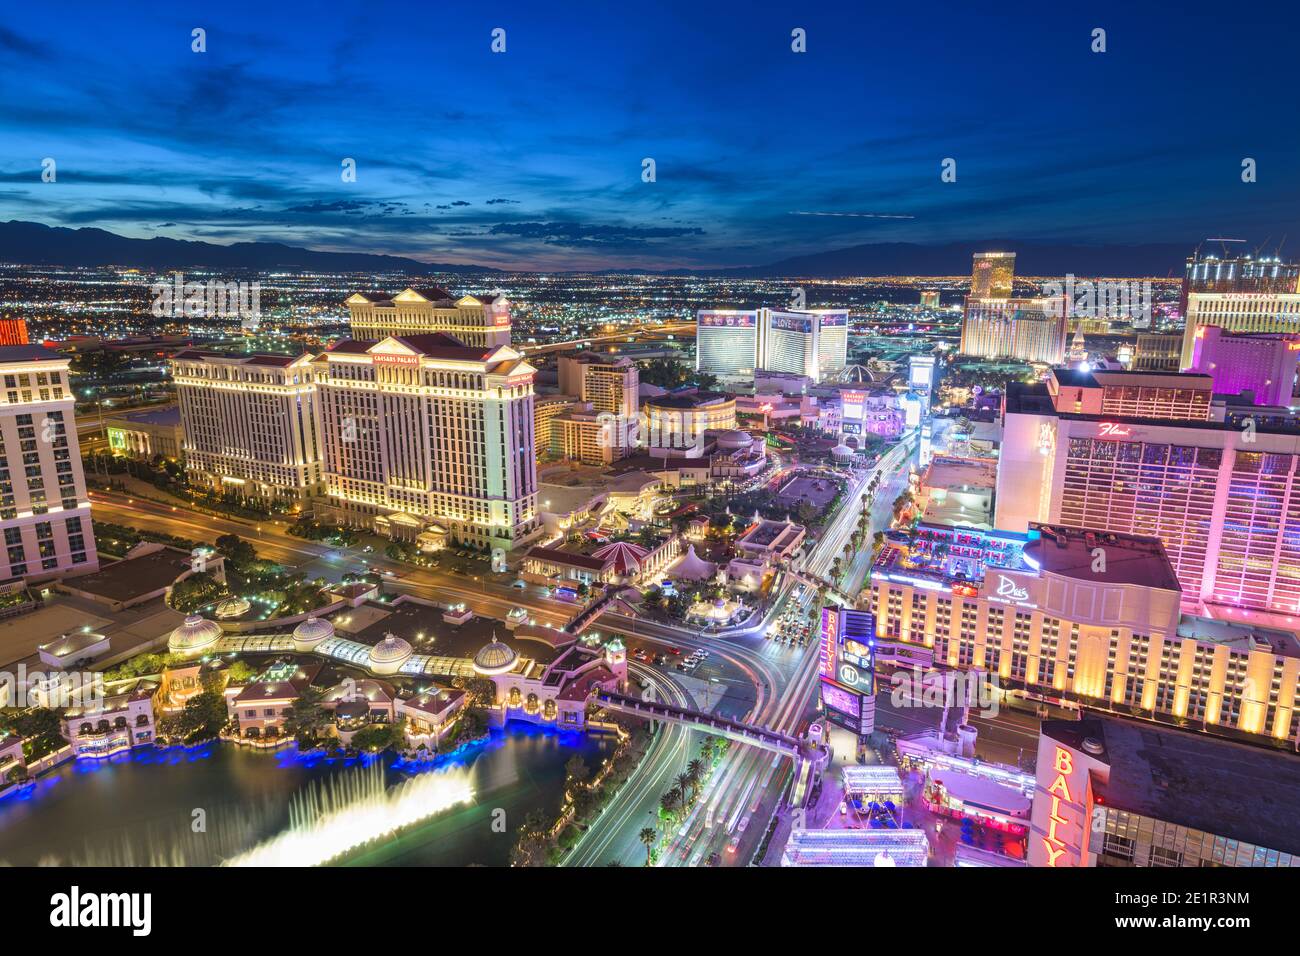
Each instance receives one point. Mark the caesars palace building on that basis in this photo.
(420, 426)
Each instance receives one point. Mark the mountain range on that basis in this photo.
(32, 243)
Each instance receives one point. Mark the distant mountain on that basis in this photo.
(954, 259)
(33, 243)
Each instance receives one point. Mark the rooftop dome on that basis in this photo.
(842, 451)
(389, 654)
(313, 630)
(193, 636)
(494, 658)
(231, 607)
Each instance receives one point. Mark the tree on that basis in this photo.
(706, 749)
(39, 728)
(195, 591)
(649, 837)
(685, 783)
(668, 803)
(305, 719)
(204, 716)
(378, 737)
(576, 770)
(236, 550)
(695, 774)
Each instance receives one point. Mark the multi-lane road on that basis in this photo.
(753, 678)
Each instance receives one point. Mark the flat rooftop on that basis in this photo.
(422, 626)
(1099, 378)
(961, 474)
(1206, 783)
(1129, 559)
(1240, 635)
(133, 577)
(171, 415)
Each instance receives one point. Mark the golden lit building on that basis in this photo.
(482, 320)
(44, 510)
(680, 421)
(1078, 617)
(607, 385)
(992, 275)
(423, 430)
(248, 423)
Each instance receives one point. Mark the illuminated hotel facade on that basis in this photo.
(1027, 330)
(732, 344)
(1222, 495)
(44, 510)
(1115, 792)
(1272, 312)
(473, 319)
(249, 424)
(607, 385)
(1081, 618)
(421, 433)
(726, 344)
(993, 275)
(811, 342)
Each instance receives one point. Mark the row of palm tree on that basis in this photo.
(678, 800)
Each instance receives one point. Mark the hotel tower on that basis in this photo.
(44, 511)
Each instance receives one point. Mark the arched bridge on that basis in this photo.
(587, 616)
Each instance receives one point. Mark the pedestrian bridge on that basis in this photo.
(612, 600)
(805, 756)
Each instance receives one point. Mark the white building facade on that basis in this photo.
(249, 424)
(44, 510)
(422, 433)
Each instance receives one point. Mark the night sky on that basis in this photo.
(533, 158)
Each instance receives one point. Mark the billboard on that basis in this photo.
(727, 320)
(853, 711)
(853, 405)
(847, 649)
(792, 323)
(829, 320)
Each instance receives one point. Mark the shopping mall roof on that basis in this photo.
(1239, 791)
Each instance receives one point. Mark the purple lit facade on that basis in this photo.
(1263, 364)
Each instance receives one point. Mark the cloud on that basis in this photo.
(584, 235)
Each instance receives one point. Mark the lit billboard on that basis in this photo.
(727, 320)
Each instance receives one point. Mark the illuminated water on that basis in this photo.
(140, 808)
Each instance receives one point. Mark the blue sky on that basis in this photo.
(532, 158)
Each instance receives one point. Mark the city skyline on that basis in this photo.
(760, 153)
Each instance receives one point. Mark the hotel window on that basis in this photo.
(1160, 856)
(1119, 847)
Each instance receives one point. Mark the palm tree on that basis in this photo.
(685, 783)
(696, 770)
(649, 837)
(668, 802)
(706, 748)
